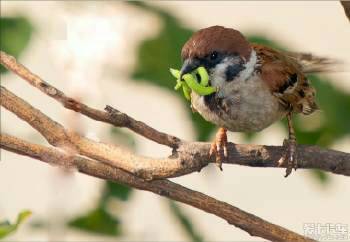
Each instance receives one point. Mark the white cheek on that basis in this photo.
(249, 67)
(218, 74)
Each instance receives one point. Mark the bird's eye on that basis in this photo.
(214, 55)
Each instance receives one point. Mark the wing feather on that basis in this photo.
(286, 80)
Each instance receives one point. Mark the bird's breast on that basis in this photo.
(240, 106)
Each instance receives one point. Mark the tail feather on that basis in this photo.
(313, 64)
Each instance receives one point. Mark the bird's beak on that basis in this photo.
(188, 66)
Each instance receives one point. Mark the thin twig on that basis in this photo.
(117, 119)
(250, 223)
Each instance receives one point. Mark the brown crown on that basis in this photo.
(216, 38)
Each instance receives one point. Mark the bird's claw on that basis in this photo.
(289, 158)
(219, 148)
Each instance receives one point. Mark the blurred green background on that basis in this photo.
(154, 57)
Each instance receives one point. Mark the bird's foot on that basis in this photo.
(289, 158)
(219, 147)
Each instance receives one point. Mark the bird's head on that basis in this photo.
(224, 52)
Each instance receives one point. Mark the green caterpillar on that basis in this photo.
(190, 83)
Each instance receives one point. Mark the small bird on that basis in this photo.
(256, 86)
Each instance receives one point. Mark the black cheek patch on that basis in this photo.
(209, 101)
(232, 71)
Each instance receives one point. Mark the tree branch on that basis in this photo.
(252, 224)
(188, 157)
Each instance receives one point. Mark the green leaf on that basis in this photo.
(335, 106)
(15, 33)
(185, 221)
(6, 228)
(97, 221)
(321, 176)
(100, 220)
(123, 137)
(112, 189)
(117, 190)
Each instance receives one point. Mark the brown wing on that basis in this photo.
(284, 77)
